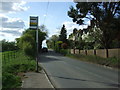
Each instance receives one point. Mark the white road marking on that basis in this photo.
(48, 80)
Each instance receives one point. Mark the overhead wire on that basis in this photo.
(46, 13)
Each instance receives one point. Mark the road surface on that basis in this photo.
(66, 72)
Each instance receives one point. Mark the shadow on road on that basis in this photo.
(109, 84)
(49, 56)
(52, 56)
(47, 59)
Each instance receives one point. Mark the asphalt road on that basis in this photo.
(65, 72)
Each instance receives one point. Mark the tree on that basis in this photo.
(58, 46)
(63, 34)
(8, 46)
(43, 29)
(51, 42)
(64, 46)
(103, 15)
(70, 41)
(27, 42)
(48, 42)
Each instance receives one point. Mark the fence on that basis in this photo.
(98, 52)
(9, 55)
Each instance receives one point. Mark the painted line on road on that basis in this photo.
(47, 76)
(48, 79)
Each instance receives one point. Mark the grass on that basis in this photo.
(12, 66)
(110, 62)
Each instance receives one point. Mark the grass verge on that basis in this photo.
(12, 67)
(110, 62)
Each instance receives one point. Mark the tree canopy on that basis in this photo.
(8, 46)
(102, 15)
(27, 42)
(51, 42)
(63, 34)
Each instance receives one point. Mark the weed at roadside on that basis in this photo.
(11, 68)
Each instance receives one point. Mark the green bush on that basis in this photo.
(58, 46)
(11, 69)
(27, 42)
(64, 51)
(10, 81)
(28, 45)
(29, 49)
(64, 46)
(15, 68)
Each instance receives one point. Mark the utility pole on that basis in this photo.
(34, 26)
(37, 49)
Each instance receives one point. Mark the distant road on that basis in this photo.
(65, 72)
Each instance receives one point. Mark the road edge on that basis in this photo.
(48, 79)
(47, 76)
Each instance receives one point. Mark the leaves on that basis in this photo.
(105, 17)
(63, 35)
(27, 41)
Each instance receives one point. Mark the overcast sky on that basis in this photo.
(15, 17)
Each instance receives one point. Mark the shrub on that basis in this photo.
(27, 44)
(10, 80)
(64, 51)
(28, 49)
(64, 46)
(11, 69)
(58, 46)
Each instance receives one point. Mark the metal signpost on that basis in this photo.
(34, 26)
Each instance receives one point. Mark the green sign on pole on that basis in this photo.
(34, 26)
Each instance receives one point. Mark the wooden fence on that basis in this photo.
(98, 52)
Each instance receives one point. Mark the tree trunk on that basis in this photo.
(85, 52)
(74, 50)
(94, 51)
(107, 53)
(79, 51)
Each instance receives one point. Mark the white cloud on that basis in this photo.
(8, 22)
(44, 15)
(71, 25)
(14, 32)
(10, 34)
(54, 32)
(7, 36)
(11, 7)
(10, 27)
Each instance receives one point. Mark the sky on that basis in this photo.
(14, 17)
